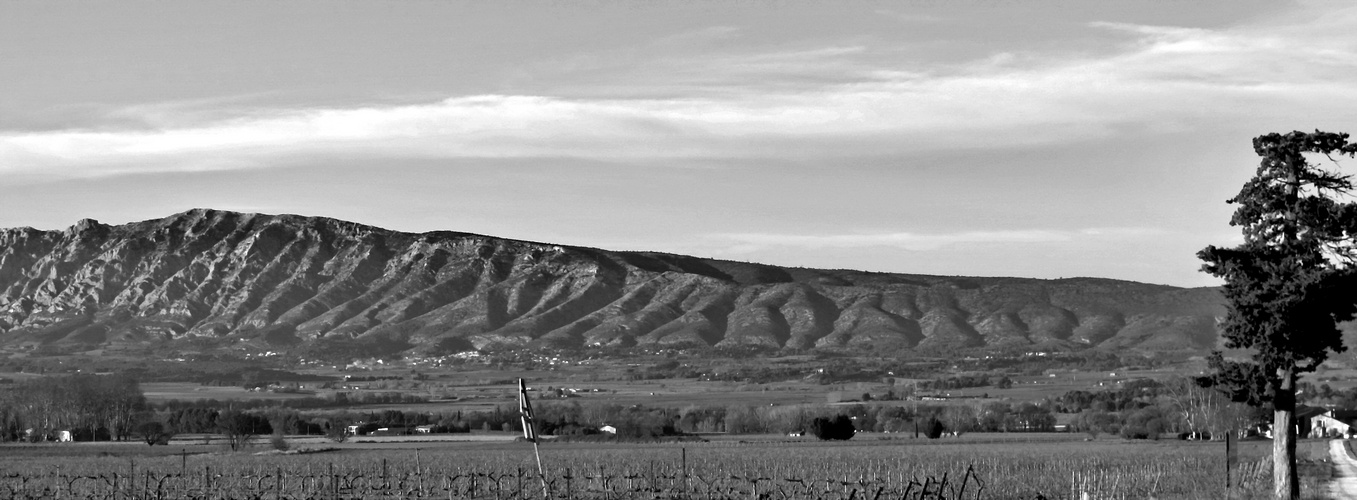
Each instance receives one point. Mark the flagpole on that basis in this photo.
(530, 432)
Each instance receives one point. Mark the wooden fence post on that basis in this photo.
(684, 464)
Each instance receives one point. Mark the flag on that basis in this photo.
(525, 412)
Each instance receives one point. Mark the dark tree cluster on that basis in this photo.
(931, 427)
(192, 420)
(838, 428)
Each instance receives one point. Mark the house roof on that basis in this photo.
(1303, 411)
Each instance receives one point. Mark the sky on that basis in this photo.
(1047, 139)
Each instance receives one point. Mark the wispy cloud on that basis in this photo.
(799, 102)
(752, 242)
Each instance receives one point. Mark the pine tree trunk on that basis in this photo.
(1285, 482)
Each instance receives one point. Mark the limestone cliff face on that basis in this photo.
(297, 281)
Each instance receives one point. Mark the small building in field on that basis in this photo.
(64, 437)
(1331, 423)
(608, 429)
(424, 429)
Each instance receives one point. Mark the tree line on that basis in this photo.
(1147, 409)
(112, 407)
(87, 406)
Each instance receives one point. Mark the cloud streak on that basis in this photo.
(751, 242)
(826, 101)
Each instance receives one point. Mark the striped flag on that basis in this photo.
(525, 412)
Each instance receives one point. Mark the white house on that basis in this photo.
(1332, 424)
(608, 429)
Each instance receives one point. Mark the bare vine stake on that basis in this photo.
(962, 492)
(942, 486)
(683, 454)
(603, 481)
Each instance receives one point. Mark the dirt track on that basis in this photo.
(1344, 484)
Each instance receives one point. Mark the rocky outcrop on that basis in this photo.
(296, 281)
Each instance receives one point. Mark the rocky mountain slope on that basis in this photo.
(300, 281)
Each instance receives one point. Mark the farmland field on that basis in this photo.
(987, 466)
(158, 391)
(475, 392)
(476, 462)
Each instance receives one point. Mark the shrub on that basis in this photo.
(278, 442)
(931, 427)
(154, 433)
(337, 431)
(1134, 432)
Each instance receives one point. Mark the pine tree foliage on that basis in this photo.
(1289, 284)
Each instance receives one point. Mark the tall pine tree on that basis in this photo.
(1290, 283)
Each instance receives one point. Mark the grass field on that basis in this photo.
(668, 393)
(488, 465)
(159, 391)
(767, 466)
(473, 388)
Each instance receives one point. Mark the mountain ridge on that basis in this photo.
(297, 281)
